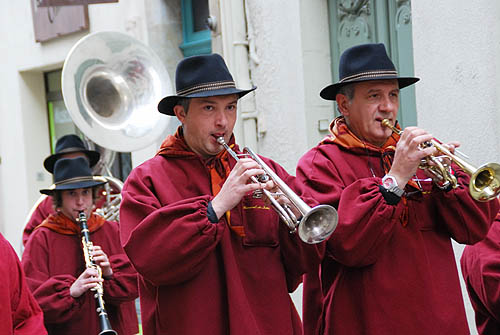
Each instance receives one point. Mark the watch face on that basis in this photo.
(388, 182)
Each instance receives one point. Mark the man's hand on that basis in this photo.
(409, 154)
(101, 259)
(443, 159)
(237, 184)
(86, 281)
(283, 200)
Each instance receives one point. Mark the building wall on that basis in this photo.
(456, 55)
(292, 45)
(456, 51)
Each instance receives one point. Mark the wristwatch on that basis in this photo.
(391, 185)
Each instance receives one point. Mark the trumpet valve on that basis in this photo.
(263, 178)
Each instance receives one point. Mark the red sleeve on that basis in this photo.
(40, 213)
(123, 284)
(366, 223)
(467, 220)
(19, 311)
(481, 269)
(146, 225)
(52, 293)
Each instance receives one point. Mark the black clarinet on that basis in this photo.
(99, 291)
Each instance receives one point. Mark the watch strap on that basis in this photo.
(390, 197)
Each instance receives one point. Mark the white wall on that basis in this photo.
(456, 47)
(292, 45)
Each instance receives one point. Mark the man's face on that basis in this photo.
(206, 120)
(373, 101)
(74, 201)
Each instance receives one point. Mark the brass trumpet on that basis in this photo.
(316, 224)
(484, 182)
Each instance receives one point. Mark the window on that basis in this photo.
(195, 33)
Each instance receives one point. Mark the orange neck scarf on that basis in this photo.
(61, 224)
(344, 137)
(218, 166)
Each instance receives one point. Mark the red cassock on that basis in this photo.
(19, 311)
(40, 213)
(52, 262)
(198, 277)
(389, 269)
(481, 270)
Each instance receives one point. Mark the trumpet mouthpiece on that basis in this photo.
(386, 123)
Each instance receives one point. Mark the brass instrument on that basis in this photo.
(484, 182)
(316, 224)
(112, 194)
(89, 263)
(111, 85)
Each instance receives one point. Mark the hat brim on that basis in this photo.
(166, 105)
(49, 162)
(95, 181)
(330, 92)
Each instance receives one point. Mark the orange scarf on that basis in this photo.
(344, 137)
(61, 224)
(218, 166)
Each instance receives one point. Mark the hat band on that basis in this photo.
(74, 180)
(70, 149)
(370, 75)
(207, 87)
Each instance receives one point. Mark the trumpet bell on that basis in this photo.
(111, 85)
(485, 182)
(318, 224)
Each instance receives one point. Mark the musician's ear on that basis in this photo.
(343, 104)
(180, 113)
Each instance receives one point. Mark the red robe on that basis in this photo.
(388, 269)
(198, 277)
(481, 271)
(19, 311)
(41, 211)
(52, 262)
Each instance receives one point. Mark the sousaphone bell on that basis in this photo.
(111, 85)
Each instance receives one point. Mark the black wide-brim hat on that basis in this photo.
(363, 63)
(72, 173)
(198, 77)
(69, 144)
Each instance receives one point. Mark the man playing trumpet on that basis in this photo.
(389, 266)
(211, 257)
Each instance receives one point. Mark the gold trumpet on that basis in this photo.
(316, 224)
(484, 182)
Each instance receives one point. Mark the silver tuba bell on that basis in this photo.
(111, 85)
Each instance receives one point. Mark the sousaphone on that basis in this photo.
(111, 85)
